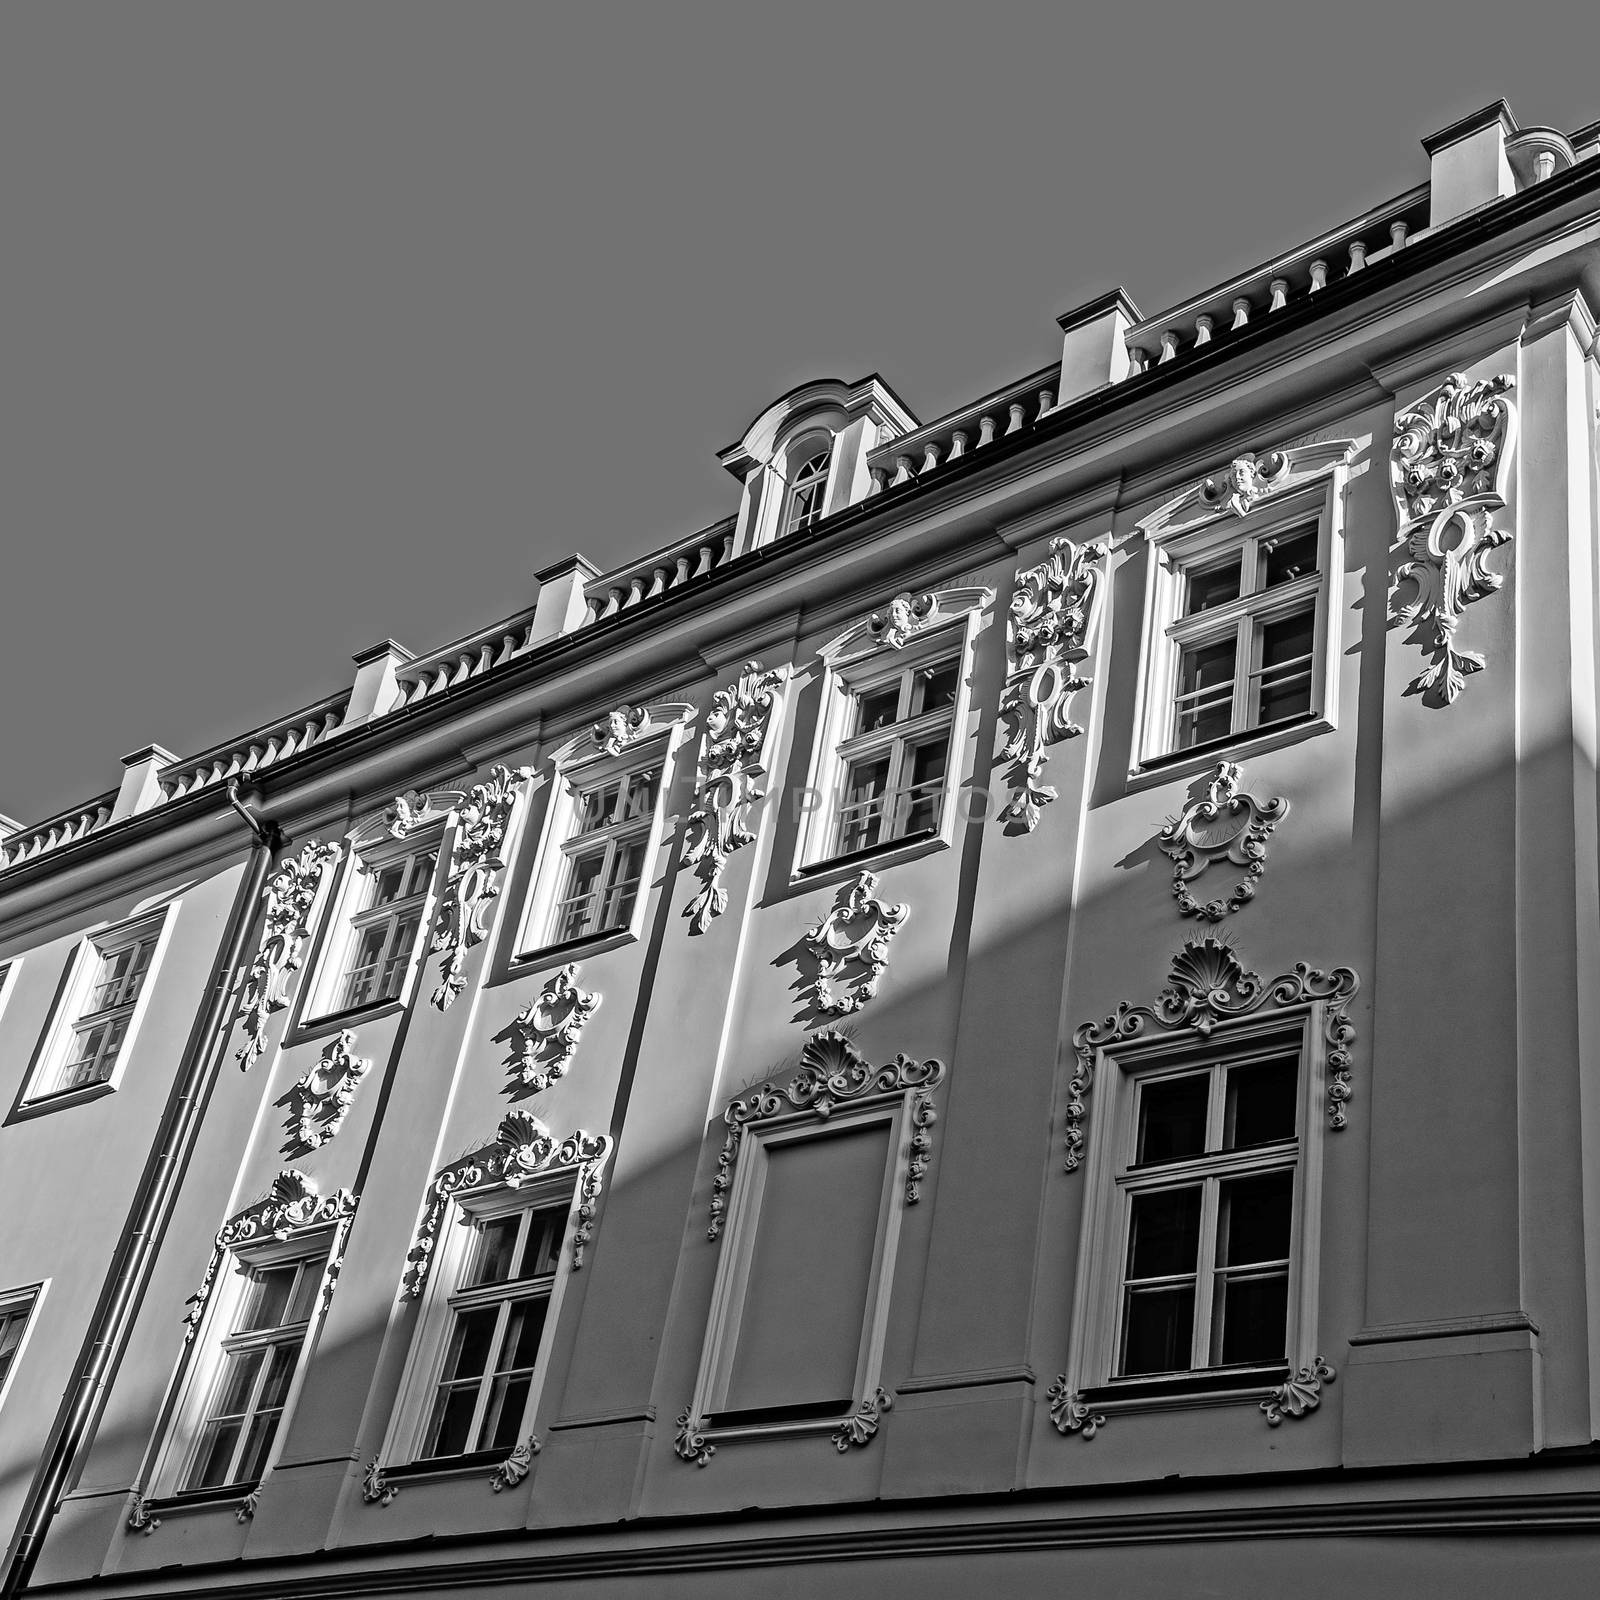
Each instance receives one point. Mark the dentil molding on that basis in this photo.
(1207, 984)
(1224, 824)
(855, 933)
(726, 785)
(544, 1034)
(1447, 470)
(1054, 608)
(290, 895)
(319, 1102)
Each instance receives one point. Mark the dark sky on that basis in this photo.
(326, 322)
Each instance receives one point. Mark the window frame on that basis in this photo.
(1194, 533)
(800, 456)
(858, 660)
(25, 1300)
(579, 765)
(1096, 1330)
(79, 978)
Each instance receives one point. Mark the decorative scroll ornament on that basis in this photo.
(516, 1466)
(247, 1507)
(691, 1442)
(376, 1489)
(319, 1102)
(854, 934)
(141, 1519)
(1070, 1412)
(1206, 985)
(901, 619)
(1053, 608)
(1247, 479)
(416, 808)
(544, 1035)
(1447, 470)
(523, 1149)
(860, 1426)
(291, 1206)
(1302, 1393)
(1223, 825)
(618, 728)
(832, 1072)
(290, 894)
(726, 787)
(461, 920)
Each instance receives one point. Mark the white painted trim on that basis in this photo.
(31, 1296)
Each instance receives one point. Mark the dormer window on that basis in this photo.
(807, 488)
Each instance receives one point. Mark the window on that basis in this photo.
(16, 1312)
(806, 491)
(389, 905)
(259, 1358)
(1243, 637)
(102, 1001)
(605, 858)
(892, 729)
(498, 1317)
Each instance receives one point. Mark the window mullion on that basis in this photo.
(1243, 660)
(1205, 1275)
(251, 1405)
(491, 1364)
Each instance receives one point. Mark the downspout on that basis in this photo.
(147, 1218)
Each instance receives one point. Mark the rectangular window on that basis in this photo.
(16, 1309)
(498, 1321)
(384, 927)
(259, 1359)
(894, 760)
(605, 857)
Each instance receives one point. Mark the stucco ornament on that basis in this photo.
(544, 1034)
(523, 1149)
(416, 808)
(1207, 984)
(319, 1102)
(247, 1507)
(853, 937)
(292, 1205)
(902, 619)
(516, 1466)
(832, 1072)
(470, 888)
(691, 1443)
(726, 784)
(1246, 479)
(1224, 825)
(290, 895)
(1447, 470)
(376, 1489)
(1302, 1393)
(862, 1424)
(618, 728)
(1070, 1412)
(140, 1517)
(1054, 608)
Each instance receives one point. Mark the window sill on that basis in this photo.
(1236, 747)
(329, 1022)
(906, 848)
(1169, 1392)
(445, 1467)
(225, 1497)
(585, 945)
(59, 1099)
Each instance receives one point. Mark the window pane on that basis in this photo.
(451, 1422)
(627, 868)
(238, 1381)
(1213, 587)
(1288, 556)
(1172, 1118)
(1262, 1099)
(1158, 1331)
(865, 792)
(877, 708)
(642, 790)
(387, 884)
(258, 1441)
(215, 1454)
(361, 984)
(422, 871)
(1164, 1233)
(497, 1243)
(305, 1292)
(523, 1329)
(1205, 693)
(470, 1342)
(268, 1297)
(1253, 1219)
(920, 803)
(401, 944)
(281, 1363)
(543, 1246)
(597, 807)
(935, 687)
(1254, 1315)
(579, 908)
(1285, 684)
(502, 1420)
(11, 1325)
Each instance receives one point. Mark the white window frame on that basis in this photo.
(455, 1241)
(1097, 1306)
(798, 456)
(861, 658)
(200, 1369)
(25, 1299)
(372, 848)
(1196, 531)
(579, 765)
(78, 981)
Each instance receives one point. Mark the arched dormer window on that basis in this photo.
(808, 485)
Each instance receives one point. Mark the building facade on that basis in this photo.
(1024, 1011)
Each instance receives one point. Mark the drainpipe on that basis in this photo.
(152, 1208)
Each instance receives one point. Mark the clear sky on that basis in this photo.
(321, 323)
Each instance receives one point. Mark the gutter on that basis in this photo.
(142, 1233)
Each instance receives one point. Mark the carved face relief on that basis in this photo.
(1447, 470)
(853, 938)
(1248, 479)
(618, 728)
(1222, 825)
(903, 617)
